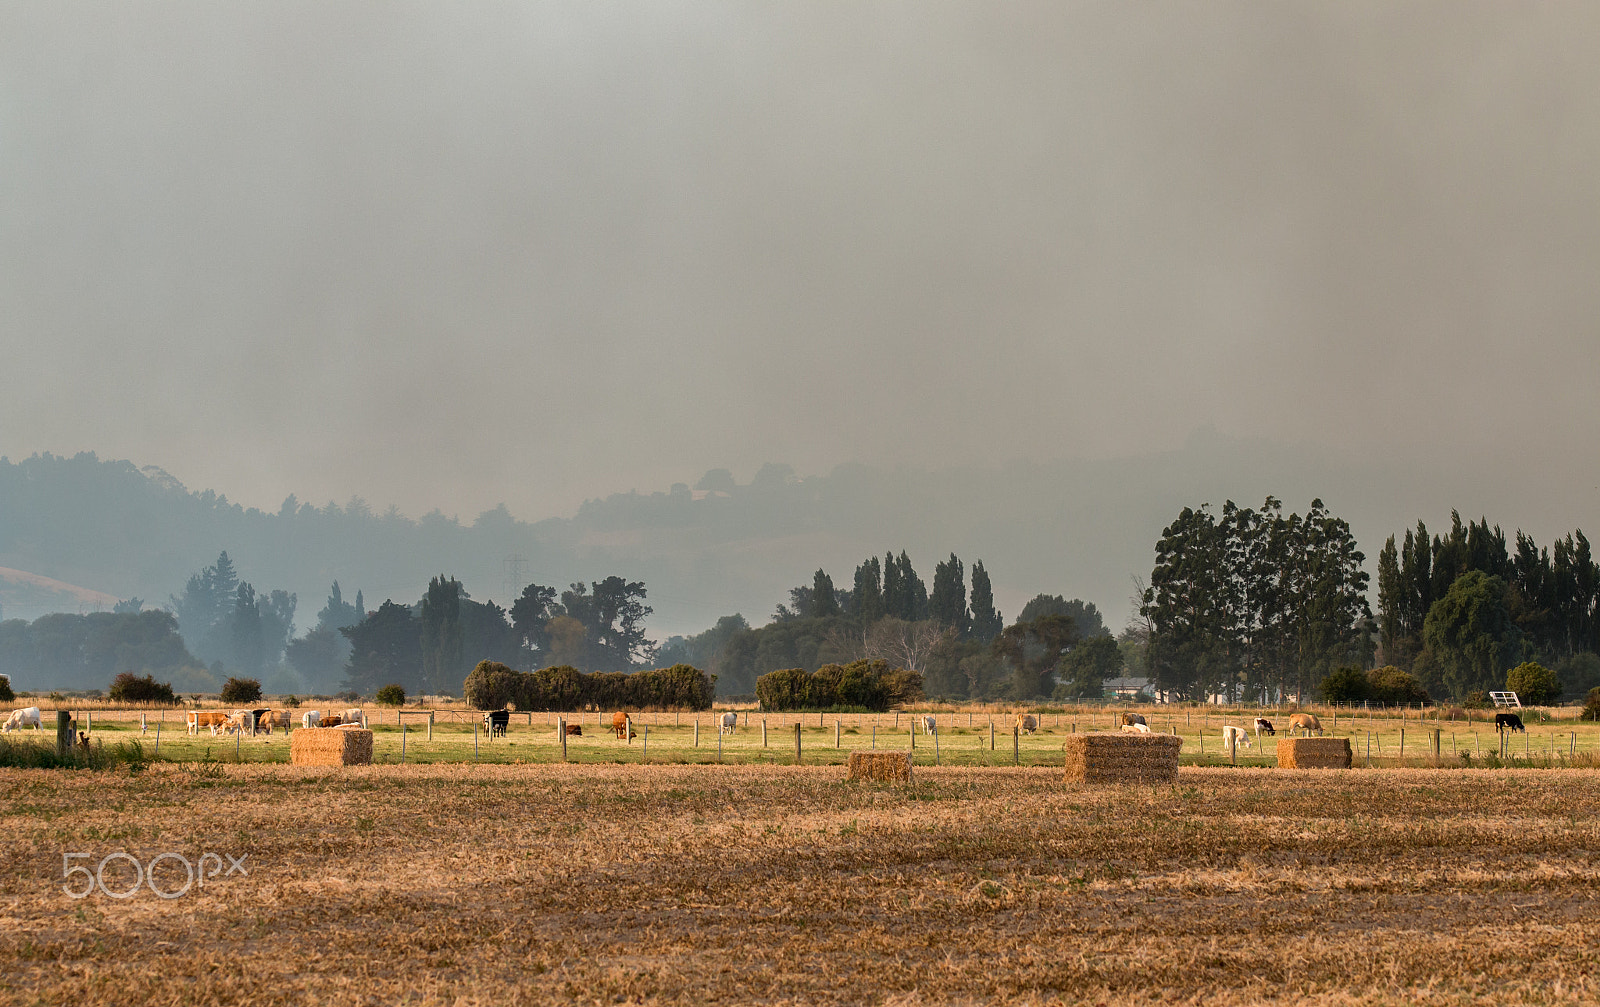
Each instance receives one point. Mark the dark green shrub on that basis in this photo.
(1477, 699)
(1394, 687)
(869, 685)
(241, 690)
(1533, 683)
(1591, 706)
(493, 686)
(130, 688)
(391, 695)
(292, 702)
(6, 695)
(1346, 685)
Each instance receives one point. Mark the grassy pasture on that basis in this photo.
(963, 739)
(463, 884)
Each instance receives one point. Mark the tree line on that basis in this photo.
(1462, 609)
(953, 636)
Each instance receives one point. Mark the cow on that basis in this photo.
(729, 723)
(354, 715)
(21, 718)
(1235, 736)
(496, 722)
(1136, 728)
(273, 718)
(1129, 719)
(1508, 722)
(1307, 722)
(233, 722)
(1264, 726)
(622, 726)
(929, 725)
(257, 720)
(331, 720)
(205, 718)
(574, 730)
(1027, 723)
(311, 718)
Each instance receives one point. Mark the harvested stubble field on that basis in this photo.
(691, 884)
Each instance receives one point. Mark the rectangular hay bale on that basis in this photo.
(331, 746)
(1314, 753)
(887, 767)
(1117, 757)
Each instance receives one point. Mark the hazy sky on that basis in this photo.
(457, 254)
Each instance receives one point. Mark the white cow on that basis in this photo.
(21, 718)
(1136, 728)
(1238, 735)
(353, 716)
(929, 726)
(729, 723)
(311, 718)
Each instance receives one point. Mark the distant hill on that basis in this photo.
(1075, 528)
(21, 591)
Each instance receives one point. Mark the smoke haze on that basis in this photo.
(463, 255)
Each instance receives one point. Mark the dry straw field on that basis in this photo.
(463, 884)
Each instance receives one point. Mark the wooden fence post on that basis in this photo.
(697, 732)
(158, 737)
(797, 742)
(763, 732)
(64, 738)
(1016, 746)
(143, 727)
(561, 728)
(836, 731)
(430, 725)
(1233, 749)
(991, 735)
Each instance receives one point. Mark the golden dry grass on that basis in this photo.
(694, 884)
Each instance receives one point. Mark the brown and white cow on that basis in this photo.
(206, 718)
(1027, 723)
(1129, 719)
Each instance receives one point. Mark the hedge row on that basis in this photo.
(493, 686)
(869, 685)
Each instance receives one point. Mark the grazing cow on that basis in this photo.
(1235, 736)
(205, 718)
(496, 722)
(929, 725)
(1264, 726)
(1129, 719)
(273, 718)
(1508, 722)
(730, 723)
(311, 718)
(233, 722)
(257, 719)
(1307, 722)
(354, 715)
(1027, 723)
(622, 726)
(1136, 728)
(574, 730)
(21, 718)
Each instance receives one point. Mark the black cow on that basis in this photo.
(496, 721)
(1508, 722)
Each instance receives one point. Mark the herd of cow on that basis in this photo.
(497, 721)
(265, 719)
